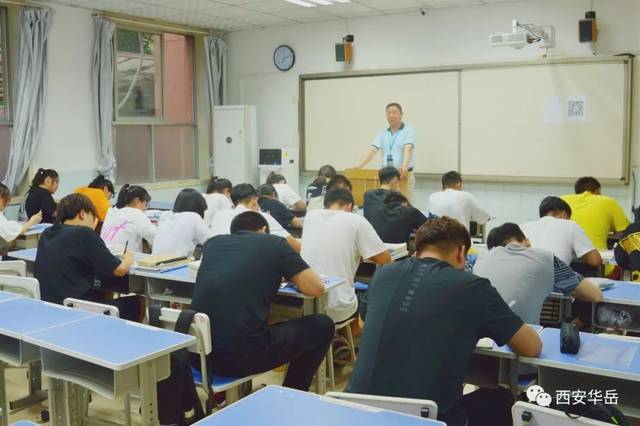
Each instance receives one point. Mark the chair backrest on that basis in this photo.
(28, 287)
(413, 407)
(543, 416)
(93, 307)
(200, 328)
(14, 267)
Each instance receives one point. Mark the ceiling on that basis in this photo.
(239, 15)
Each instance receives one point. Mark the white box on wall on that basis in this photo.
(235, 144)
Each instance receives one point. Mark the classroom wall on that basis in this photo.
(443, 37)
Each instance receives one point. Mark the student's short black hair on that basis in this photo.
(328, 171)
(243, 193)
(101, 182)
(339, 181)
(553, 204)
(387, 174)
(42, 175)
(275, 178)
(395, 197)
(501, 235)
(451, 179)
(249, 221)
(394, 104)
(444, 233)
(217, 184)
(5, 193)
(129, 193)
(71, 206)
(266, 190)
(340, 196)
(587, 183)
(190, 200)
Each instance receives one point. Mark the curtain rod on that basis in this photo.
(163, 25)
(26, 4)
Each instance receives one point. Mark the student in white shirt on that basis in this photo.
(455, 203)
(183, 229)
(286, 194)
(556, 232)
(126, 222)
(245, 198)
(337, 181)
(217, 197)
(9, 229)
(333, 243)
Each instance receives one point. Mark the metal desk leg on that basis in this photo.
(321, 374)
(36, 394)
(4, 407)
(148, 393)
(66, 403)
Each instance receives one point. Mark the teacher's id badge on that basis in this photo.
(389, 160)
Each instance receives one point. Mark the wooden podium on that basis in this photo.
(364, 180)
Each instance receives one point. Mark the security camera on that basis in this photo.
(423, 11)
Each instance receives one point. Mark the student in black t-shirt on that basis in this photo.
(396, 219)
(374, 199)
(425, 316)
(236, 283)
(318, 187)
(39, 198)
(269, 203)
(71, 256)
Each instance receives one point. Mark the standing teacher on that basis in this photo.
(396, 145)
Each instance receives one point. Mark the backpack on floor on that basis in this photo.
(177, 393)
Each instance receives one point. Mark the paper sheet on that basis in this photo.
(577, 109)
(553, 110)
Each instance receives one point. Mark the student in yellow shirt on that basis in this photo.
(597, 214)
(99, 191)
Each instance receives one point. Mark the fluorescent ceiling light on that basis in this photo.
(302, 3)
(322, 2)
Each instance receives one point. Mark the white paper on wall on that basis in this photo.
(553, 110)
(577, 108)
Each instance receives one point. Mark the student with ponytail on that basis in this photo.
(218, 197)
(39, 198)
(99, 191)
(10, 230)
(126, 222)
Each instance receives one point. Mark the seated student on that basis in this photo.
(556, 232)
(525, 276)
(286, 194)
(455, 203)
(217, 197)
(180, 231)
(338, 181)
(71, 256)
(99, 191)
(389, 182)
(9, 229)
(444, 311)
(596, 214)
(126, 222)
(396, 220)
(318, 187)
(236, 283)
(39, 198)
(333, 243)
(245, 198)
(269, 203)
(627, 251)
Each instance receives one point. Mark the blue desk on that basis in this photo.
(31, 237)
(161, 205)
(277, 406)
(603, 362)
(624, 295)
(28, 255)
(24, 423)
(5, 296)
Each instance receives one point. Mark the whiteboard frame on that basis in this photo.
(626, 60)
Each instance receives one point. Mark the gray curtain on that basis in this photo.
(216, 59)
(31, 91)
(102, 91)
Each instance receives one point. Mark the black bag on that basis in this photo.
(598, 411)
(177, 394)
(569, 338)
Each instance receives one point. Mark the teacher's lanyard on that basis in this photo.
(391, 144)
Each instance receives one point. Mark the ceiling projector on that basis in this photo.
(523, 35)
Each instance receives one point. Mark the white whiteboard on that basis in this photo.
(515, 121)
(343, 115)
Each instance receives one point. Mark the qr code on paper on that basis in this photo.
(575, 109)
